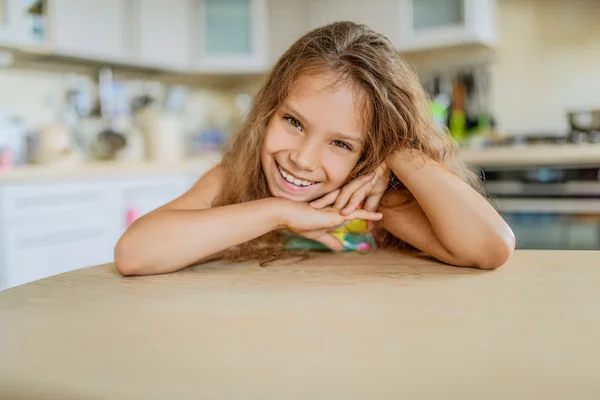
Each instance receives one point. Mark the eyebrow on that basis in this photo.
(292, 110)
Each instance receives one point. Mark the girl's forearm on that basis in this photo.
(464, 222)
(167, 240)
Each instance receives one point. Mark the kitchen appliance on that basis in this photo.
(548, 207)
(585, 126)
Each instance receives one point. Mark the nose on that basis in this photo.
(305, 156)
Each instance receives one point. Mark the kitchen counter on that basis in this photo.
(533, 155)
(386, 325)
(538, 155)
(39, 172)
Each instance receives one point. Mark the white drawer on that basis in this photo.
(36, 252)
(173, 185)
(148, 194)
(47, 198)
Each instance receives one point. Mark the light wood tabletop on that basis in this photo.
(382, 325)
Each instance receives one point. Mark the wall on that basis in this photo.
(29, 94)
(548, 62)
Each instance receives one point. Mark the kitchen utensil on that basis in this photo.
(584, 121)
(163, 135)
(54, 146)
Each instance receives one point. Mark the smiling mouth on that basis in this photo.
(294, 180)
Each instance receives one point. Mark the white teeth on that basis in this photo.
(293, 180)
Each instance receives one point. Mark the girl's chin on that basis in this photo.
(295, 197)
(304, 197)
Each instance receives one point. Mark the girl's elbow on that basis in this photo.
(124, 258)
(498, 252)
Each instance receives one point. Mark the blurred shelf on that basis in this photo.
(107, 169)
(534, 155)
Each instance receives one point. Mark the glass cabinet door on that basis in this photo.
(232, 35)
(432, 14)
(22, 22)
(227, 27)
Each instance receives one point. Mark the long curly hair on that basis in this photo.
(396, 111)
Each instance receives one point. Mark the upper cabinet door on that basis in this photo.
(22, 23)
(426, 24)
(5, 23)
(232, 35)
(435, 14)
(382, 17)
(95, 29)
(163, 32)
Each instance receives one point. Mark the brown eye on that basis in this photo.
(293, 122)
(340, 144)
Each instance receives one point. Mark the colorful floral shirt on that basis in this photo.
(356, 235)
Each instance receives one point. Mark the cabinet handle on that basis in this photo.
(61, 237)
(131, 215)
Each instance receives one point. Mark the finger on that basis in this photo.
(350, 188)
(314, 233)
(372, 202)
(364, 214)
(356, 199)
(330, 242)
(326, 200)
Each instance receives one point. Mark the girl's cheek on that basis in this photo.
(336, 171)
(276, 138)
(338, 167)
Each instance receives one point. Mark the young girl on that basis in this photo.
(338, 152)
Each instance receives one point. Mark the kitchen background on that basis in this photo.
(110, 108)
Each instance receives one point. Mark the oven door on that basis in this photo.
(561, 224)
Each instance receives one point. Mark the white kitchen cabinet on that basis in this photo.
(54, 226)
(20, 28)
(37, 250)
(162, 33)
(6, 23)
(415, 25)
(429, 24)
(140, 196)
(93, 29)
(381, 15)
(231, 35)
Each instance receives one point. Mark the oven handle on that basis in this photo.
(556, 206)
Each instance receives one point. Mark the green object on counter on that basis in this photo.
(484, 123)
(439, 113)
(458, 123)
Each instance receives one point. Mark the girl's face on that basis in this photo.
(313, 141)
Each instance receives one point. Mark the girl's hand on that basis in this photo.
(317, 224)
(302, 217)
(369, 188)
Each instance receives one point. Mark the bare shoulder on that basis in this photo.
(203, 193)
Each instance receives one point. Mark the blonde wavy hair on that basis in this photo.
(397, 115)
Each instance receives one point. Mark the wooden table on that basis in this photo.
(377, 326)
